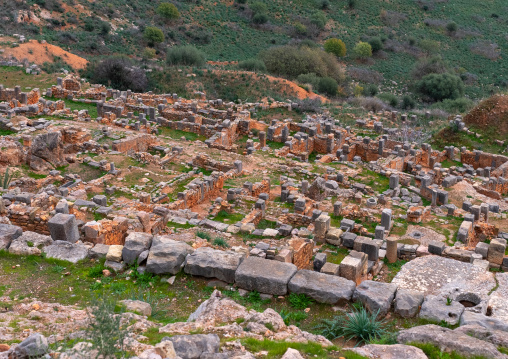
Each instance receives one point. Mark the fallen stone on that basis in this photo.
(193, 346)
(212, 263)
(135, 244)
(115, 253)
(407, 303)
(167, 255)
(66, 251)
(377, 297)
(436, 309)
(323, 288)
(137, 306)
(8, 233)
(395, 351)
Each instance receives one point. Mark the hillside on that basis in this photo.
(491, 113)
(469, 35)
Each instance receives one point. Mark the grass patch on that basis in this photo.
(276, 349)
(393, 268)
(224, 217)
(177, 134)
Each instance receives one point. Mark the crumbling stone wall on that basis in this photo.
(139, 143)
(29, 218)
(479, 159)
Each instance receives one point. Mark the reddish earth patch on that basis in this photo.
(38, 53)
(490, 113)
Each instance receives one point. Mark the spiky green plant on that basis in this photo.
(359, 324)
(6, 179)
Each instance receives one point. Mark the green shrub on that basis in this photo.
(149, 53)
(260, 19)
(389, 98)
(299, 301)
(96, 271)
(359, 324)
(433, 65)
(323, 4)
(371, 90)
(319, 20)
(328, 86)
(300, 28)
(255, 65)
(185, 55)
(258, 7)
(439, 87)
(362, 50)
(153, 35)
(376, 44)
(451, 27)
(351, 4)
(5, 180)
(459, 105)
(292, 61)
(335, 46)
(310, 79)
(407, 103)
(168, 11)
(117, 72)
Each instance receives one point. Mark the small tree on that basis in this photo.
(149, 53)
(439, 87)
(319, 20)
(362, 50)
(185, 55)
(260, 19)
(153, 35)
(328, 86)
(335, 46)
(168, 11)
(451, 27)
(376, 44)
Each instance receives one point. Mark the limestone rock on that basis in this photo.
(193, 346)
(29, 243)
(435, 308)
(292, 354)
(396, 351)
(137, 306)
(375, 296)
(407, 303)
(167, 255)
(323, 288)
(8, 233)
(115, 253)
(66, 251)
(135, 244)
(212, 263)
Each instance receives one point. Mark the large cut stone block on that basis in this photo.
(135, 244)
(496, 251)
(167, 255)
(212, 263)
(63, 227)
(407, 302)
(375, 296)
(265, 276)
(322, 287)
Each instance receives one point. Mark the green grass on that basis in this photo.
(225, 217)
(4, 132)
(75, 105)
(393, 268)
(180, 225)
(36, 175)
(434, 352)
(177, 134)
(276, 349)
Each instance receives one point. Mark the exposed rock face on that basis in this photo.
(396, 351)
(436, 309)
(35, 346)
(137, 306)
(193, 346)
(47, 151)
(450, 340)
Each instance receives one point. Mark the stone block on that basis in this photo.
(135, 244)
(167, 255)
(115, 253)
(377, 297)
(496, 251)
(63, 227)
(436, 247)
(330, 268)
(211, 263)
(482, 248)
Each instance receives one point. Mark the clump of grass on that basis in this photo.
(220, 242)
(299, 301)
(204, 235)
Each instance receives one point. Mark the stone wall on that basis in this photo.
(139, 143)
(28, 218)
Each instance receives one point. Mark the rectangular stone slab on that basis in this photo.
(213, 263)
(321, 287)
(264, 275)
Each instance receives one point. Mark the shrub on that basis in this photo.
(371, 90)
(319, 20)
(451, 27)
(360, 325)
(118, 72)
(292, 61)
(185, 55)
(459, 105)
(328, 86)
(260, 19)
(335, 46)
(433, 65)
(429, 46)
(310, 79)
(358, 91)
(299, 301)
(105, 331)
(439, 87)
(309, 105)
(258, 7)
(255, 65)
(300, 28)
(362, 50)
(149, 53)
(389, 98)
(323, 4)
(168, 11)
(351, 4)
(153, 35)
(408, 103)
(376, 44)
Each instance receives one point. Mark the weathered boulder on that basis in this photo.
(115, 253)
(167, 255)
(497, 337)
(396, 351)
(47, 151)
(98, 251)
(375, 296)
(193, 346)
(407, 302)
(35, 346)
(29, 243)
(137, 306)
(8, 233)
(477, 319)
(436, 309)
(265, 276)
(213, 263)
(449, 340)
(323, 288)
(135, 244)
(66, 251)
(292, 354)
